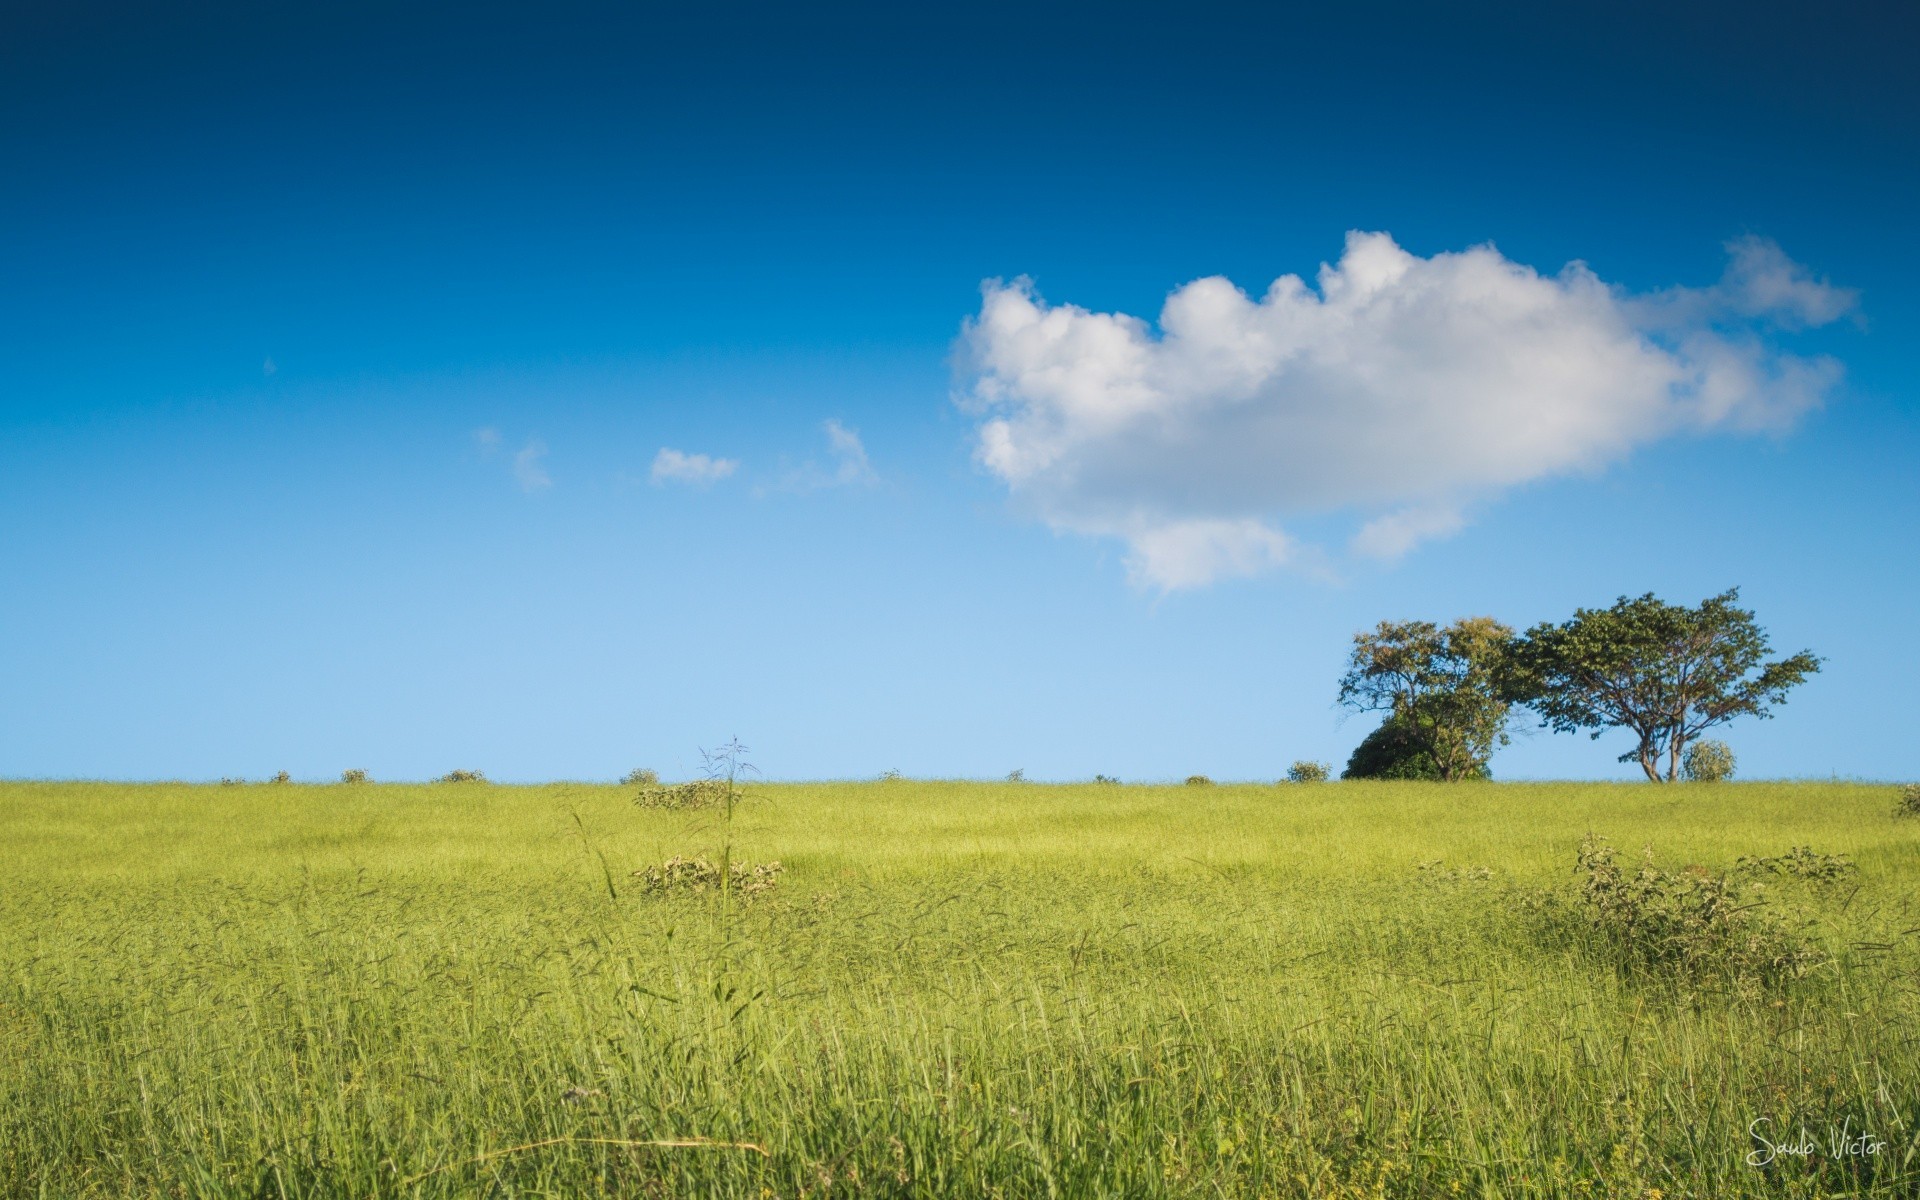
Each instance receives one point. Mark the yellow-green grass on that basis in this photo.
(956, 990)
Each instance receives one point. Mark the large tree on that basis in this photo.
(1663, 671)
(1438, 686)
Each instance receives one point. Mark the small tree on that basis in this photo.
(1307, 771)
(1438, 685)
(1707, 761)
(1665, 672)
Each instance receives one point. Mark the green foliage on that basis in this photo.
(353, 775)
(1106, 779)
(1017, 775)
(1690, 923)
(282, 777)
(1908, 802)
(1707, 761)
(1199, 781)
(699, 793)
(700, 876)
(956, 989)
(1439, 685)
(1801, 862)
(641, 777)
(462, 777)
(1307, 771)
(1392, 752)
(1663, 671)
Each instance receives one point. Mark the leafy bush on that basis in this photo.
(1801, 862)
(641, 777)
(891, 776)
(1393, 751)
(226, 781)
(1105, 779)
(1707, 762)
(1017, 775)
(282, 777)
(1689, 923)
(353, 775)
(462, 777)
(701, 793)
(1199, 781)
(699, 876)
(1908, 804)
(1306, 771)
(1436, 872)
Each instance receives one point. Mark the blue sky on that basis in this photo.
(338, 348)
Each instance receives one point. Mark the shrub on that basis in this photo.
(1392, 752)
(1306, 771)
(1105, 779)
(699, 876)
(1017, 775)
(282, 777)
(1199, 781)
(701, 793)
(1908, 803)
(462, 777)
(892, 776)
(353, 775)
(1690, 923)
(1437, 872)
(641, 777)
(1707, 762)
(1801, 862)
(226, 781)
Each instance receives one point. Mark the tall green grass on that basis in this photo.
(956, 990)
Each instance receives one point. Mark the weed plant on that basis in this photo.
(699, 877)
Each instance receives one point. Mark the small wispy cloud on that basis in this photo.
(529, 470)
(849, 455)
(848, 464)
(486, 440)
(701, 470)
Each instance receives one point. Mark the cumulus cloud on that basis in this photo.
(672, 466)
(529, 471)
(1396, 387)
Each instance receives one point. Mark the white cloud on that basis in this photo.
(1393, 534)
(528, 469)
(486, 440)
(1171, 555)
(849, 467)
(1397, 387)
(849, 455)
(672, 466)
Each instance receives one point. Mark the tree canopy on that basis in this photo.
(1665, 672)
(1438, 686)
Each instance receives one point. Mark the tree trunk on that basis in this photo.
(1650, 760)
(1673, 757)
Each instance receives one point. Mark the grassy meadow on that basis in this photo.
(956, 989)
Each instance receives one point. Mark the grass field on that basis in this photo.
(955, 990)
